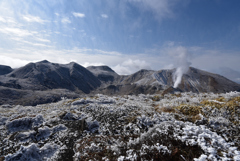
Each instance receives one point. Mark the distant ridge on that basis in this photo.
(152, 82)
(103, 73)
(45, 75)
(70, 80)
(5, 69)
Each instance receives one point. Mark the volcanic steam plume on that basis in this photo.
(181, 57)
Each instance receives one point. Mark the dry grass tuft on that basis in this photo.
(177, 95)
(189, 110)
(167, 109)
(156, 98)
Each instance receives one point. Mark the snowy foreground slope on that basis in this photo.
(184, 126)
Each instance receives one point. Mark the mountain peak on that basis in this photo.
(43, 61)
(46, 75)
(102, 68)
(103, 73)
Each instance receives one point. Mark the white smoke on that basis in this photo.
(181, 56)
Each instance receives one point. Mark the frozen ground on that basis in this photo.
(184, 126)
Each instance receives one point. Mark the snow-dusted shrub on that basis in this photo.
(25, 136)
(25, 123)
(93, 126)
(43, 133)
(33, 152)
(187, 126)
(58, 128)
(7, 106)
(218, 122)
(81, 102)
(70, 116)
(3, 120)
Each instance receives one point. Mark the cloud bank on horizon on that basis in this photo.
(127, 35)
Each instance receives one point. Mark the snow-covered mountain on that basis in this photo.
(45, 75)
(149, 81)
(34, 80)
(104, 73)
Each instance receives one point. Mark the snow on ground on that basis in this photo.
(183, 126)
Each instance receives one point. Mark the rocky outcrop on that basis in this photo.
(5, 69)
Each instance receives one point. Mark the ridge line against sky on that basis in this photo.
(127, 35)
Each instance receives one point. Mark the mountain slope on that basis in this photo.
(5, 69)
(104, 73)
(230, 73)
(195, 80)
(45, 75)
(201, 81)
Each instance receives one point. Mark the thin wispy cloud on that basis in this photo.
(107, 52)
(8, 20)
(2, 19)
(43, 40)
(14, 62)
(80, 15)
(16, 32)
(35, 44)
(161, 8)
(121, 63)
(65, 20)
(104, 15)
(120, 34)
(130, 66)
(30, 18)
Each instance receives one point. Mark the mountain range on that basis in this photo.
(43, 82)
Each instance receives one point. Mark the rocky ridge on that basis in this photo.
(35, 80)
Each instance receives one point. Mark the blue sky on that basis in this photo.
(126, 35)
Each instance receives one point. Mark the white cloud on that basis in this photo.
(16, 38)
(212, 59)
(107, 52)
(180, 55)
(161, 8)
(76, 14)
(15, 31)
(104, 15)
(65, 20)
(43, 40)
(87, 64)
(2, 19)
(13, 62)
(123, 64)
(130, 66)
(30, 18)
(35, 44)
(202, 58)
